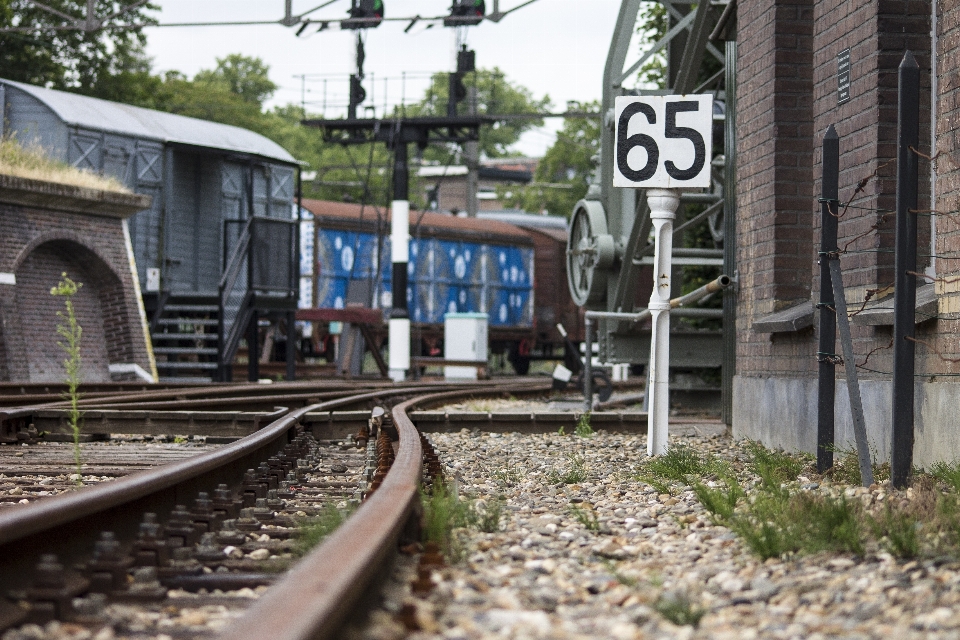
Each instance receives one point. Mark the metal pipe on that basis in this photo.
(587, 365)
(714, 286)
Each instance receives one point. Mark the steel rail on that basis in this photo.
(317, 596)
(69, 523)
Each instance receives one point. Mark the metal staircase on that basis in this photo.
(186, 331)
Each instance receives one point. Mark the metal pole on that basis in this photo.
(663, 205)
(728, 369)
(399, 325)
(827, 382)
(905, 286)
(850, 364)
(587, 366)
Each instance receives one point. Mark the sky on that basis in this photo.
(552, 47)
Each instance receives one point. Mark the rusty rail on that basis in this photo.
(318, 595)
(68, 524)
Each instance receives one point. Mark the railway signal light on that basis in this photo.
(364, 14)
(466, 62)
(357, 95)
(465, 13)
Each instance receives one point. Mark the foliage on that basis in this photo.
(312, 531)
(680, 463)
(509, 475)
(107, 63)
(586, 517)
(679, 610)
(775, 466)
(71, 332)
(489, 515)
(718, 501)
(443, 512)
(949, 474)
(564, 172)
(495, 95)
(583, 429)
(243, 76)
(653, 25)
(573, 472)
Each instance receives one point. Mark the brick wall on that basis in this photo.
(779, 218)
(774, 164)
(39, 244)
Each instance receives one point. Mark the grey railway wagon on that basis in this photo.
(206, 179)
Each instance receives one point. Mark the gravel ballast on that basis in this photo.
(610, 556)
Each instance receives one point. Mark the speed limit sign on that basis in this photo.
(663, 142)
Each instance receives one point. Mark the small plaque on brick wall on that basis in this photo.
(843, 76)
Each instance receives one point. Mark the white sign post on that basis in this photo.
(663, 146)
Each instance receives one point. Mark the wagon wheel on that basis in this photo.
(590, 253)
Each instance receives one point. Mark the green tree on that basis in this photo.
(71, 59)
(563, 175)
(243, 76)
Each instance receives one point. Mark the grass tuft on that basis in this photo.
(32, 163)
(586, 517)
(679, 610)
(573, 472)
(312, 531)
(583, 429)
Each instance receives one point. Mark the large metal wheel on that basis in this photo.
(590, 253)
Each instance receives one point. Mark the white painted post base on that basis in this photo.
(663, 206)
(399, 364)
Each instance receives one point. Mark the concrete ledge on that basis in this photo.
(880, 312)
(786, 320)
(782, 413)
(63, 197)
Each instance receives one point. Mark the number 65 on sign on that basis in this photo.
(663, 142)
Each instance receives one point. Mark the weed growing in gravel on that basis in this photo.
(898, 532)
(573, 472)
(488, 518)
(71, 331)
(681, 463)
(444, 511)
(509, 475)
(313, 530)
(679, 610)
(846, 468)
(720, 501)
(584, 430)
(775, 466)
(586, 517)
(949, 474)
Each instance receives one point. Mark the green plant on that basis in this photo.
(312, 531)
(679, 610)
(898, 532)
(488, 518)
(678, 464)
(586, 517)
(583, 429)
(561, 431)
(949, 474)
(180, 440)
(444, 511)
(775, 466)
(575, 471)
(70, 330)
(509, 475)
(720, 501)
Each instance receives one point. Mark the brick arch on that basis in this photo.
(99, 306)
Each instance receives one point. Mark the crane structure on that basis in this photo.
(609, 232)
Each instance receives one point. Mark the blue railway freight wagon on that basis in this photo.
(456, 265)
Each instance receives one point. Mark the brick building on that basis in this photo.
(47, 229)
(787, 96)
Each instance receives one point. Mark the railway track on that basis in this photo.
(226, 519)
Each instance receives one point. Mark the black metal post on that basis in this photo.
(905, 291)
(294, 285)
(827, 382)
(253, 348)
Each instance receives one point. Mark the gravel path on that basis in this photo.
(546, 574)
